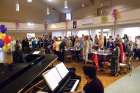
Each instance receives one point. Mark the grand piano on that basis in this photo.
(16, 77)
(28, 77)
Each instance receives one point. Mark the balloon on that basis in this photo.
(10, 38)
(2, 36)
(1, 43)
(6, 48)
(7, 39)
(3, 29)
(3, 26)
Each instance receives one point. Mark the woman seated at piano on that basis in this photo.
(94, 85)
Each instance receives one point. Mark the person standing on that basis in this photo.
(110, 43)
(77, 49)
(101, 41)
(85, 49)
(122, 53)
(115, 59)
(56, 47)
(62, 50)
(18, 54)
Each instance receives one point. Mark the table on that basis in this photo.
(102, 54)
(74, 53)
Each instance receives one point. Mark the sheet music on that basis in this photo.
(41, 91)
(36, 52)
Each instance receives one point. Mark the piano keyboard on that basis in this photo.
(75, 85)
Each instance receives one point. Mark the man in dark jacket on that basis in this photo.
(18, 55)
(93, 85)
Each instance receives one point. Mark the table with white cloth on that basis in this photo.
(73, 52)
(102, 55)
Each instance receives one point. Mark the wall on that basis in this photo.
(22, 34)
(85, 12)
(132, 32)
(23, 28)
(129, 17)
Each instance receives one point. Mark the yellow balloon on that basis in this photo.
(6, 48)
(1, 35)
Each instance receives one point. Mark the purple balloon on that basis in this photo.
(3, 29)
(2, 26)
(1, 43)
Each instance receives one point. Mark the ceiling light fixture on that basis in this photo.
(66, 4)
(17, 6)
(30, 24)
(82, 5)
(49, 0)
(48, 11)
(29, 1)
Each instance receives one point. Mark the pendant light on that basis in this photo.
(83, 4)
(29, 1)
(48, 11)
(17, 6)
(66, 4)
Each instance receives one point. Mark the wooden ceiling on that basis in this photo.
(36, 11)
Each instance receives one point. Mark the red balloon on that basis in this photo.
(7, 39)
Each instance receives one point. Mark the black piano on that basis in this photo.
(17, 77)
(59, 79)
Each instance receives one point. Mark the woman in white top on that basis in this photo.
(85, 48)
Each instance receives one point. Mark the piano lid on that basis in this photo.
(10, 72)
(28, 76)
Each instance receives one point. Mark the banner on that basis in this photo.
(104, 19)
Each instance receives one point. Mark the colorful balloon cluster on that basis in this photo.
(116, 14)
(5, 40)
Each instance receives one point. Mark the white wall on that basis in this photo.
(132, 32)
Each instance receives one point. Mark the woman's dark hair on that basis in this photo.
(125, 36)
(117, 43)
(17, 47)
(90, 71)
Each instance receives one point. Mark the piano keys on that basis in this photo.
(60, 80)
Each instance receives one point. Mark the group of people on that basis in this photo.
(119, 47)
(25, 46)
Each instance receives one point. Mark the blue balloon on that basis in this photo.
(3, 29)
(1, 43)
